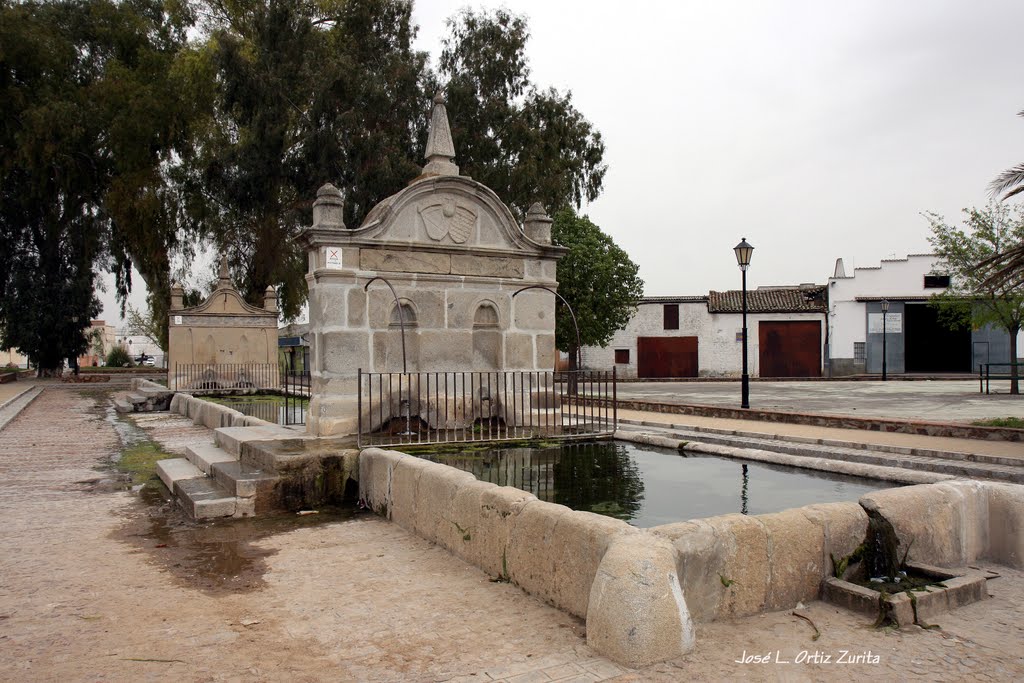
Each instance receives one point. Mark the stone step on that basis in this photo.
(204, 456)
(943, 464)
(204, 498)
(173, 470)
(244, 481)
(123, 406)
(232, 438)
(137, 399)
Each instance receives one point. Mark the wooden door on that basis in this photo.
(666, 356)
(790, 348)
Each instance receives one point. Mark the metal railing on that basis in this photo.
(224, 377)
(985, 374)
(296, 387)
(412, 408)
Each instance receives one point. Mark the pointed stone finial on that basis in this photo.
(329, 207)
(440, 148)
(177, 296)
(537, 225)
(270, 299)
(224, 277)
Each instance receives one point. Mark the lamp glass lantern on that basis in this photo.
(743, 253)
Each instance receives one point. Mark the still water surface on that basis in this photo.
(648, 486)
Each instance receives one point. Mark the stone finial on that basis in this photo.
(177, 297)
(224, 276)
(270, 300)
(329, 207)
(440, 148)
(537, 225)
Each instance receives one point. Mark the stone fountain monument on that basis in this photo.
(455, 256)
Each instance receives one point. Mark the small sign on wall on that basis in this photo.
(177, 320)
(893, 323)
(332, 258)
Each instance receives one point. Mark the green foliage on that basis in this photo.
(972, 295)
(299, 94)
(1011, 181)
(597, 278)
(526, 143)
(118, 357)
(1013, 422)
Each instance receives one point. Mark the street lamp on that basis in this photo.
(885, 330)
(743, 253)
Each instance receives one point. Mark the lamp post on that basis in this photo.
(885, 330)
(743, 253)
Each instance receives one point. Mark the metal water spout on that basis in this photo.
(401, 315)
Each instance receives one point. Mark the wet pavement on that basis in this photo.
(933, 400)
(101, 583)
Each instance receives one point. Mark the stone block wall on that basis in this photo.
(641, 590)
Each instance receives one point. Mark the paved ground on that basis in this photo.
(941, 400)
(101, 584)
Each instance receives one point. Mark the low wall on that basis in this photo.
(641, 590)
(210, 414)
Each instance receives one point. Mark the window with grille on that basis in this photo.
(936, 281)
(859, 352)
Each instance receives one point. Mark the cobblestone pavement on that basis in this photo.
(87, 593)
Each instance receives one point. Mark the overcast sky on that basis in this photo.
(816, 130)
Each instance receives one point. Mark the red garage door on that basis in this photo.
(790, 348)
(666, 356)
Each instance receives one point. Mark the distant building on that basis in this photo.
(102, 338)
(915, 340)
(701, 336)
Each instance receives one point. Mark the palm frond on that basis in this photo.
(1011, 179)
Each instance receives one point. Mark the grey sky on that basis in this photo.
(814, 129)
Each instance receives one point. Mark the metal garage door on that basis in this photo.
(790, 348)
(666, 356)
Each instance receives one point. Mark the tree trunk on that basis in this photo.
(1014, 382)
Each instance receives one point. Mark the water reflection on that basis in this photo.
(648, 486)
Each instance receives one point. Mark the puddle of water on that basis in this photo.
(214, 556)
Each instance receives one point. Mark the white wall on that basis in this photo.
(719, 350)
(896, 279)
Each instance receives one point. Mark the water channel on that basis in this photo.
(648, 486)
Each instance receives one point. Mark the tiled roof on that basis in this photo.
(770, 300)
(673, 300)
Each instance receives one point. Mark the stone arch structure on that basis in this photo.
(451, 249)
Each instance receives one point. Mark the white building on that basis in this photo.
(701, 336)
(914, 339)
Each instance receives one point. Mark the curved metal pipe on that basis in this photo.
(401, 315)
(579, 344)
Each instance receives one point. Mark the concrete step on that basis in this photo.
(173, 470)
(935, 461)
(204, 498)
(123, 406)
(204, 456)
(244, 481)
(232, 438)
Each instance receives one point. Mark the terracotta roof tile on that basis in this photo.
(771, 300)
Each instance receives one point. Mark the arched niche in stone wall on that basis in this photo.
(488, 345)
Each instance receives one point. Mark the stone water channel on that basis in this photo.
(649, 486)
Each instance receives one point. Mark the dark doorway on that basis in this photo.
(666, 356)
(789, 348)
(932, 347)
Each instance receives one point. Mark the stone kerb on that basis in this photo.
(212, 415)
(641, 590)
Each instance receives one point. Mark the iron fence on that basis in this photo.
(224, 377)
(296, 387)
(459, 407)
(986, 373)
